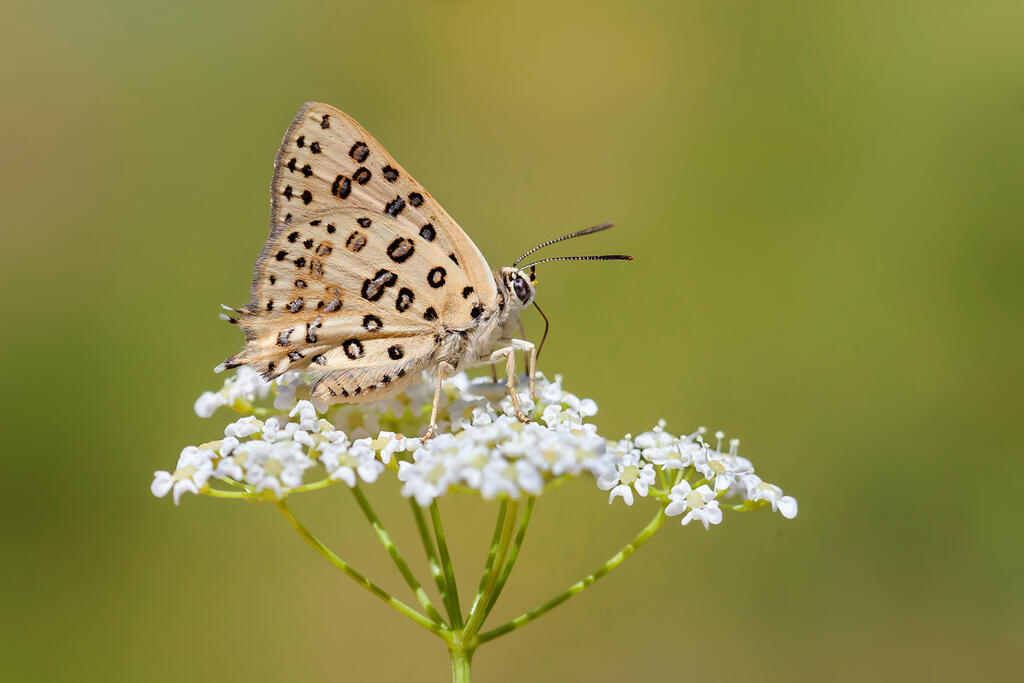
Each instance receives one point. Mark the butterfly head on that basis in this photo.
(519, 286)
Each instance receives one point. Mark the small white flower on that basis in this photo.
(388, 443)
(761, 490)
(346, 464)
(307, 415)
(207, 404)
(699, 504)
(274, 466)
(227, 445)
(501, 476)
(629, 475)
(246, 426)
(434, 468)
(195, 466)
(231, 466)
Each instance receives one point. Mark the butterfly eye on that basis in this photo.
(522, 289)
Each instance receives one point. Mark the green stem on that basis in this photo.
(359, 577)
(265, 495)
(446, 566)
(495, 559)
(577, 587)
(492, 553)
(461, 661)
(396, 557)
(517, 544)
(428, 548)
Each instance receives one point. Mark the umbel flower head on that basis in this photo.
(285, 443)
(282, 442)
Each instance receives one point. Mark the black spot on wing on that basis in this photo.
(311, 328)
(436, 277)
(359, 152)
(404, 299)
(394, 207)
(353, 348)
(355, 241)
(400, 249)
(342, 187)
(374, 288)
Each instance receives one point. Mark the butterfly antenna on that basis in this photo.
(578, 233)
(605, 257)
(544, 336)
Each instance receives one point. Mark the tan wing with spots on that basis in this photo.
(357, 300)
(328, 161)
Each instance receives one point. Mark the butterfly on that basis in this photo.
(366, 282)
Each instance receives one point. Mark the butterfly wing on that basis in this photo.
(328, 161)
(355, 298)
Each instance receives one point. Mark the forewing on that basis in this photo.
(328, 161)
(356, 299)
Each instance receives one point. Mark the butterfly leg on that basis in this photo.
(509, 354)
(531, 367)
(444, 370)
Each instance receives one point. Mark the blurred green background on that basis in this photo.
(824, 201)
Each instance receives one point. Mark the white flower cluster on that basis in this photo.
(719, 474)
(481, 446)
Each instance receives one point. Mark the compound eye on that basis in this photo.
(521, 288)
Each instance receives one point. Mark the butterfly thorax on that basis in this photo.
(490, 331)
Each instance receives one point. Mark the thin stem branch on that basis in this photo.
(577, 587)
(358, 576)
(446, 566)
(495, 557)
(517, 544)
(266, 495)
(428, 548)
(395, 555)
